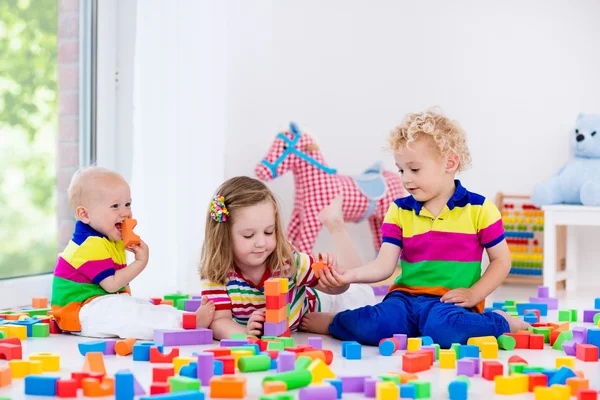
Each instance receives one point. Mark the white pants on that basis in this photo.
(120, 315)
(358, 295)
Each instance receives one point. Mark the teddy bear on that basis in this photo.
(578, 181)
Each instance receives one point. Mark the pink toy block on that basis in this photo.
(188, 337)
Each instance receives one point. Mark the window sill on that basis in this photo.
(18, 292)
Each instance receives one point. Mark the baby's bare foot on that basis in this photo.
(332, 215)
(205, 313)
(317, 322)
(515, 324)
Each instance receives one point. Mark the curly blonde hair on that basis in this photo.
(216, 263)
(447, 135)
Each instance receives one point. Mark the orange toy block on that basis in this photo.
(228, 387)
(129, 238)
(5, 376)
(39, 302)
(124, 347)
(318, 267)
(276, 286)
(274, 387)
(94, 362)
(577, 384)
(416, 362)
(323, 355)
(157, 357)
(276, 315)
(93, 387)
(167, 302)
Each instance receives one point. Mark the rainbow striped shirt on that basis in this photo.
(243, 297)
(89, 258)
(443, 253)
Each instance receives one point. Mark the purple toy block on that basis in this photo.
(206, 367)
(196, 297)
(168, 337)
(402, 340)
(588, 315)
(192, 305)
(370, 387)
(552, 302)
(317, 342)
(465, 366)
(286, 361)
(325, 392)
(381, 290)
(110, 348)
(543, 292)
(476, 364)
(570, 347)
(431, 349)
(353, 384)
(275, 329)
(232, 342)
(580, 335)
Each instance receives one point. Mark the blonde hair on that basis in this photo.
(84, 182)
(447, 135)
(216, 262)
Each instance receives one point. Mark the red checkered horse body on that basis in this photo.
(365, 197)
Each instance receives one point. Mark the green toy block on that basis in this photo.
(564, 315)
(510, 309)
(390, 378)
(513, 313)
(529, 369)
(506, 342)
(40, 330)
(596, 319)
(292, 379)
(437, 351)
(37, 312)
(455, 347)
(181, 383)
(464, 378)
(568, 335)
(277, 396)
(275, 346)
(516, 368)
(176, 296)
(2, 335)
(423, 389)
(240, 336)
(287, 342)
(510, 302)
(180, 304)
(573, 315)
(303, 362)
(269, 338)
(543, 331)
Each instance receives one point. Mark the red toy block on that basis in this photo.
(287, 333)
(521, 339)
(54, 329)
(587, 352)
(517, 360)
(492, 369)
(157, 357)
(67, 388)
(553, 336)
(536, 312)
(161, 374)
(416, 362)
(428, 353)
(11, 351)
(299, 349)
(537, 379)
(273, 354)
(228, 364)
(276, 302)
(159, 388)
(541, 324)
(189, 321)
(156, 300)
(262, 344)
(80, 376)
(129, 237)
(536, 342)
(13, 340)
(587, 394)
(219, 351)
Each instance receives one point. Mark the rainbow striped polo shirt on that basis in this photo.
(89, 258)
(443, 253)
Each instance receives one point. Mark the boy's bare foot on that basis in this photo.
(332, 216)
(205, 313)
(515, 324)
(317, 322)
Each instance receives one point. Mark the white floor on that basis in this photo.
(372, 363)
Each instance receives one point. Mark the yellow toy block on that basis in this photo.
(489, 350)
(17, 331)
(555, 392)
(35, 367)
(566, 361)
(447, 359)
(179, 362)
(513, 384)
(19, 368)
(239, 354)
(50, 361)
(386, 391)
(413, 344)
(480, 340)
(320, 371)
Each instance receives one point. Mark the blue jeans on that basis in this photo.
(401, 312)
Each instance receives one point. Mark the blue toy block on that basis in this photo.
(190, 370)
(408, 391)
(36, 385)
(426, 340)
(457, 390)
(218, 368)
(337, 384)
(353, 351)
(593, 336)
(96, 346)
(255, 346)
(387, 348)
(185, 395)
(549, 372)
(530, 318)
(344, 344)
(521, 307)
(597, 303)
(28, 322)
(561, 376)
(273, 363)
(124, 389)
(497, 305)
(141, 351)
(468, 350)
(488, 309)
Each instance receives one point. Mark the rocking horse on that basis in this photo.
(367, 196)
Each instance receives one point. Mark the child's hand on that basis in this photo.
(336, 277)
(255, 323)
(325, 258)
(141, 252)
(461, 297)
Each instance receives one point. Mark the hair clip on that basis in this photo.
(218, 211)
